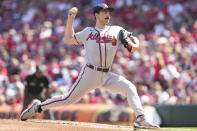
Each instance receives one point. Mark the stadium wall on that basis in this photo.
(171, 115)
(178, 115)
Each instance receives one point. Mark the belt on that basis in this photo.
(98, 68)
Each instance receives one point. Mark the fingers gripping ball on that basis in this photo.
(73, 11)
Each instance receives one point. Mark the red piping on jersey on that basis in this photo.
(105, 54)
(69, 93)
(99, 46)
(105, 47)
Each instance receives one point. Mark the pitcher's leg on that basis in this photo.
(48, 114)
(85, 83)
(119, 84)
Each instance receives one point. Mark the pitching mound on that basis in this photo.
(56, 125)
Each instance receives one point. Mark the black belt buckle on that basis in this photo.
(98, 69)
(103, 70)
(106, 70)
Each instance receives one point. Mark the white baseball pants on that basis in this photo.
(90, 79)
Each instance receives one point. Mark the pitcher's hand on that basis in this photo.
(72, 12)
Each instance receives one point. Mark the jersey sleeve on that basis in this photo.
(80, 36)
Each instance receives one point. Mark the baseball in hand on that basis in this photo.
(73, 10)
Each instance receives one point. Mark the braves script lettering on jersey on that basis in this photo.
(100, 46)
(105, 39)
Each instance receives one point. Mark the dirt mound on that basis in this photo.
(57, 125)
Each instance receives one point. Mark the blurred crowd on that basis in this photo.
(164, 70)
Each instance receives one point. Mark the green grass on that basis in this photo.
(174, 129)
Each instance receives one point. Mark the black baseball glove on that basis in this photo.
(124, 37)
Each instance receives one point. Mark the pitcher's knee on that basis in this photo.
(69, 100)
(131, 89)
(61, 100)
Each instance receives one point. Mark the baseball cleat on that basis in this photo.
(29, 113)
(142, 123)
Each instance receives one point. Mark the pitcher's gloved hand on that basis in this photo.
(124, 37)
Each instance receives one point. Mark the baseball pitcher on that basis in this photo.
(100, 43)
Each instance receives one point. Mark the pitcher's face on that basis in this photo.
(103, 16)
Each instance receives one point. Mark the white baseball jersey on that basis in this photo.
(100, 44)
